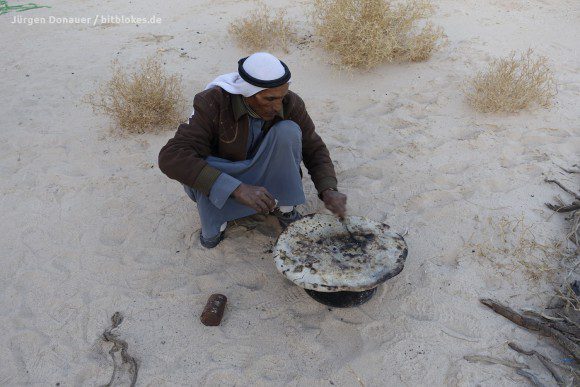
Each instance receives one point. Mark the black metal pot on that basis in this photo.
(342, 299)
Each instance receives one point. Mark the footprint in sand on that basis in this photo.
(29, 354)
(301, 303)
(287, 298)
(220, 376)
(429, 200)
(272, 368)
(454, 168)
(348, 347)
(247, 277)
(369, 171)
(378, 109)
(401, 124)
(456, 323)
(382, 333)
(152, 38)
(238, 356)
(113, 208)
(420, 308)
(211, 282)
(113, 234)
(424, 98)
(418, 111)
(500, 185)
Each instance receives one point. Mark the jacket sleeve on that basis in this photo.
(315, 154)
(222, 188)
(183, 157)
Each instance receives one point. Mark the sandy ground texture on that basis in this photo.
(90, 226)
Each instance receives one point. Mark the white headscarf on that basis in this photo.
(234, 84)
(261, 65)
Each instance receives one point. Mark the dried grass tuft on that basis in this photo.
(574, 234)
(145, 100)
(570, 298)
(264, 29)
(365, 33)
(513, 83)
(511, 245)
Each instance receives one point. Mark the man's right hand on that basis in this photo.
(254, 197)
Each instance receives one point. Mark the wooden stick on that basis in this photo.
(571, 171)
(560, 324)
(564, 188)
(533, 378)
(535, 325)
(495, 360)
(572, 207)
(550, 366)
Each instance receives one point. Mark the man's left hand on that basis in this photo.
(335, 201)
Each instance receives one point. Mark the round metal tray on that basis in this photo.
(322, 254)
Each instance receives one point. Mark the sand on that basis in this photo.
(91, 226)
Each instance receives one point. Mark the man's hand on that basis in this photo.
(335, 202)
(254, 197)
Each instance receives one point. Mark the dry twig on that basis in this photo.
(120, 345)
(558, 330)
(549, 364)
(533, 378)
(494, 360)
(576, 196)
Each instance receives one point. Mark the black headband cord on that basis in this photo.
(259, 82)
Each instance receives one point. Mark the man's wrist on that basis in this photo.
(323, 193)
(222, 189)
(233, 194)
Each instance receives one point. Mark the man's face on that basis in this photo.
(268, 102)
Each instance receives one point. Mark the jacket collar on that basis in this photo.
(239, 108)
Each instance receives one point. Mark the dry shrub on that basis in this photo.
(263, 30)
(570, 298)
(143, 101)
(365, 33)
(513, 83)
(510, 245)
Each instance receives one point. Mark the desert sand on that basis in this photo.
(91, 226)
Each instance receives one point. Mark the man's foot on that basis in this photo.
(286, 218)
(210, 243)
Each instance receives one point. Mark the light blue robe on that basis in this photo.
(275, 166)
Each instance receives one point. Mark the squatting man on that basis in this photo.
(241, 150)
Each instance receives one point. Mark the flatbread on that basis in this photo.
(317, 253)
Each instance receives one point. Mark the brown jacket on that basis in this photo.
(219, 128)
